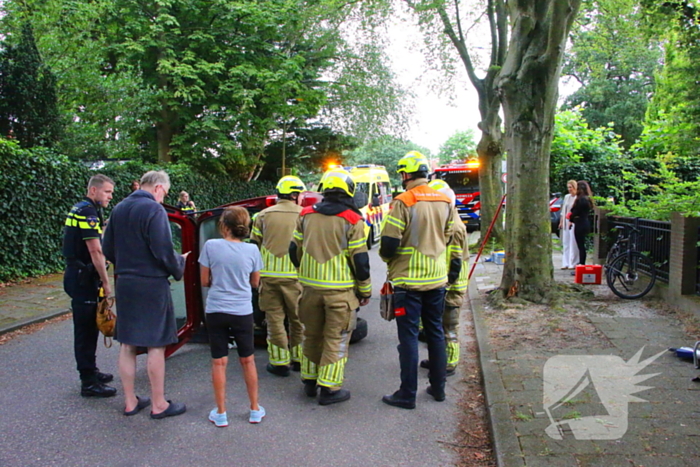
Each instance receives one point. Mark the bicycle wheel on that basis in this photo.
(631, 275)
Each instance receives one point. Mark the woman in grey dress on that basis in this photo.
(139, 243)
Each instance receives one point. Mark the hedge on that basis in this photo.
(37, 188)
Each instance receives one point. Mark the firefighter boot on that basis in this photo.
(310, 388)
(328, 396)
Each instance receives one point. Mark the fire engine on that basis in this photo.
(463, 178)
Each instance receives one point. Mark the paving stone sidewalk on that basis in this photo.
(592, 409)
(31, 302)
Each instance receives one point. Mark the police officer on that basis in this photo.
(185, 204)
(414, 244)
(330, 250)
(280, 291)
(457, 249)
(86, 272)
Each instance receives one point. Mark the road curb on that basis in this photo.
(27, 322)
(505, 441)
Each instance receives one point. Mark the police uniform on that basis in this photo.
(330, 251)
(186, 208)
(82, 282)
(280, 289)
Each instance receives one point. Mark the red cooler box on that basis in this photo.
(588, 274)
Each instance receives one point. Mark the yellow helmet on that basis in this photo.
(290, 184)
(438, 185)
(444, 188)
(338, 181)
(412, 162)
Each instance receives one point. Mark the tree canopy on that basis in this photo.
(210, 83)
(28, 107)
(458, 147)
(614, 57)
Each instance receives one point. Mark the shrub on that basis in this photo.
(38, 187)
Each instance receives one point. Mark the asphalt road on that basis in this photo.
(44, 420)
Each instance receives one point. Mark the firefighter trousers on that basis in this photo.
(329, 318)
(280, 300)
(450, 322)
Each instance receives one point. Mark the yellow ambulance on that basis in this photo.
(373, 180)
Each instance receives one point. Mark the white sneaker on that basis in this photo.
(218, 419)
(256, 416)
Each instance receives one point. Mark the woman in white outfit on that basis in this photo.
(570, 257)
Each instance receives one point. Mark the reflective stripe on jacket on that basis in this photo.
(458, 247)
(272, 231)
(421, 219)
(328, 248)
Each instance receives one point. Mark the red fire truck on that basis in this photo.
(463, 178)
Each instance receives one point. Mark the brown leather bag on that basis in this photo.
(106, 319)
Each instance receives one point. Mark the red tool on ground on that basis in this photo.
(486, 237)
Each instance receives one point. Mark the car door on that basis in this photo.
(186, 293)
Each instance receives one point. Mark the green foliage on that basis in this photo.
(386, 151)
(458, 147)
(614, 58)
(28, 110)
(575, 145)
(38, 187)
(210, 83)
(666, 194)
(206, 190)
(672, 121)
(309, 151)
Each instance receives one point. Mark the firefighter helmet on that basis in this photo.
(338, 181)
(413, 162)
(444, 188)
(290, 184)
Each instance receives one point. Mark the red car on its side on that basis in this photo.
(190, 231)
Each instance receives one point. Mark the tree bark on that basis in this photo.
(528, 85)
(164, 135)
(490, 152)
(490, 147)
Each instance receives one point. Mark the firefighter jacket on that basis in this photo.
(273, 229)
(457, 249)
(415, 235)
(330, 249)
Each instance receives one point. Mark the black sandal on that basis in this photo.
(174, 408)
(140, 405)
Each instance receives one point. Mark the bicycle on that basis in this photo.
(629, 273)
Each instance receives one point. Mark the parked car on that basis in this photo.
(190, 231)
(555, 201)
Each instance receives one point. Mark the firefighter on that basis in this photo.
(330, 250)
(457, 247)
(273, 229)
(414, 244)
(86, 273)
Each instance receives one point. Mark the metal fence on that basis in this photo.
(654, 240)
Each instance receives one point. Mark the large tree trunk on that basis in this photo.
(164, 135)
(528, 86)
(490, 151)
(490, 147)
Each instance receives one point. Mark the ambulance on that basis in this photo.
(373, 180)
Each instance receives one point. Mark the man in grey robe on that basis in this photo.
(138, 241)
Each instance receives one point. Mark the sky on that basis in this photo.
(438, 115)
